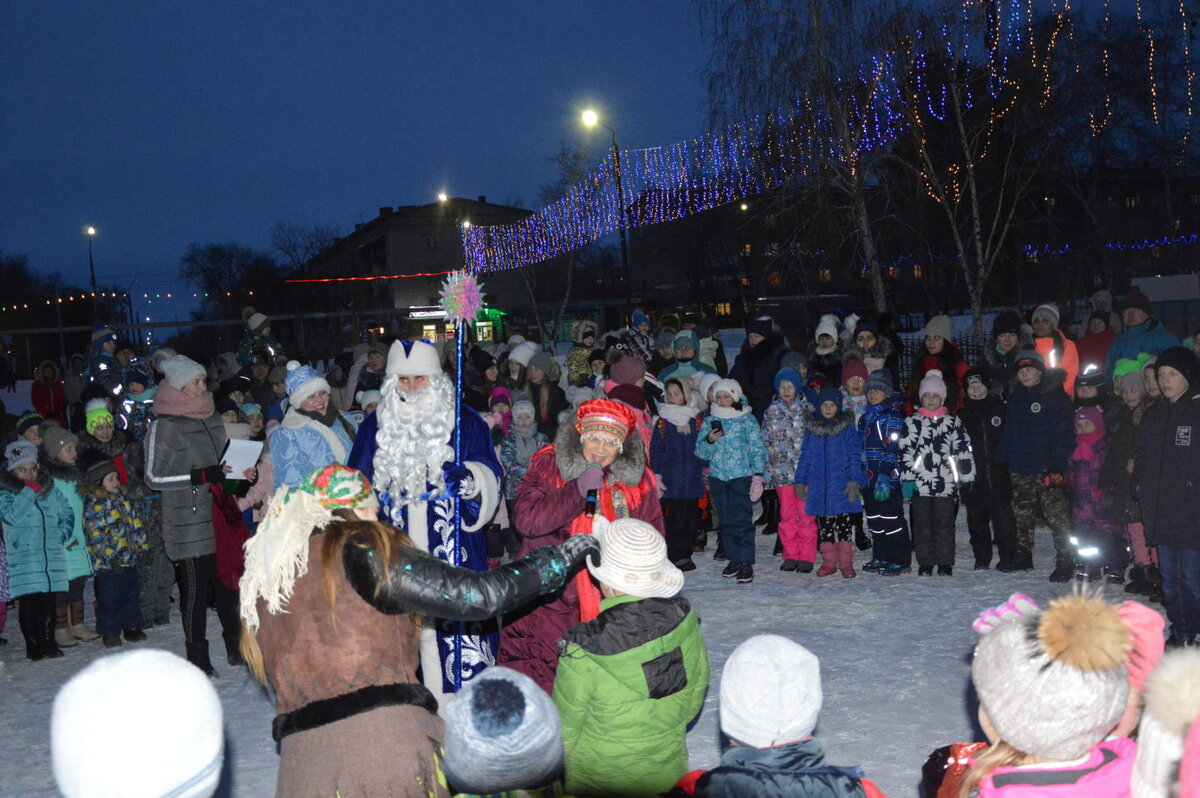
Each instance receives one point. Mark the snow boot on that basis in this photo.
(829, 560)
(1153, 582)
(233, 653)
(134, 635)
(1137, 579)
(112, 641)
(197, 654)
(78, 630)
(894, 569)
(1064, 570)
(874, 565)
(62, 629)
(925, 570)
(804, 567)
(685, 564)
(770, 513)
(789, 565)
(745, 573)
(845, 552)
(701, 542)
(730, 570)
(945, 570)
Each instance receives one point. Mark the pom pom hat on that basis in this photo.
(606, 417)
(302, 382)
(1054, 683)
(933, 383)
(770, 692)
(413, 359)
(503, 734)
(28, 419)
(97, 417)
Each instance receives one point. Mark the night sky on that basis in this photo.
(170, 123)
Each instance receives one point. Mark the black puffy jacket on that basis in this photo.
(1166, 476)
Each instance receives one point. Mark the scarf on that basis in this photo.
(170, 401)
(825, 350)
(1085, 445)
(527, 444)
(729, 412)
(679, 415)
(330, 415)
(941, 411)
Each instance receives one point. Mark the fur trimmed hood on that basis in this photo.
(581, 327)
(48, 468)
(829, 427)
(628, 468)
(882, 350)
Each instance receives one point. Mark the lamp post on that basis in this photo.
(590, 119)
(90, 232)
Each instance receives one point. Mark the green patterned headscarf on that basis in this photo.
(337, 486)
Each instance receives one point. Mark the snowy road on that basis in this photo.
(894, 657)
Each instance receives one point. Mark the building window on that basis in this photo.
(747, 250)
(1132, 201)
(429, 331)
(773, 278)
(484, 331)
(916, 271)
(825, 275)
(722, 309)
(746, 281)
(891, 271)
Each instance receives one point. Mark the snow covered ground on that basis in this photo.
(894, 659)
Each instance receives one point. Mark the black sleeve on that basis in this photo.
(418, 582)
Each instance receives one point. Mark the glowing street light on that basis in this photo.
(90, 232)
(591, 119)
(442, 196)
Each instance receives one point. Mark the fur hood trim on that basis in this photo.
(628, 468)
(581, 327)
(1173, 690)
(829, 427)
(53, 468)
(882, 350)
(114, 448)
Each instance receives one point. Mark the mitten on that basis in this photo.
(909, 488)
(756, 488)
(801, 492)
(592, 478)
(851, 492)
(883, 489)
(1017, 606)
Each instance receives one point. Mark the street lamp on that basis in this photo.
(90, 232)
(591, 119)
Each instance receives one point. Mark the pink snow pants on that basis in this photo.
(1142, 554)
(797, 529)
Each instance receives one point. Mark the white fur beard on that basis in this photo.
(413, 440)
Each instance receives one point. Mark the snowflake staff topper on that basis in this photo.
(461, 297)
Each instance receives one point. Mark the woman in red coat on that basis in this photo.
(47, 394)
(592, 457)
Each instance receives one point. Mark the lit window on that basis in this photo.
(773, 278)
(746, 250)
(746, 281)
(1132, 201)
(722, 309)
(429, 331)
(484, 331)
(825, 275)
(916, 271)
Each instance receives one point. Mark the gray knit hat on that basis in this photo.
(1054, 684)
(502, 733)
(880, 380)
(18, 453)
(179, 371)
(940, 326)
(54, 438)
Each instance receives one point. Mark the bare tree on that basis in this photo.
(228, 274)
(296, 244)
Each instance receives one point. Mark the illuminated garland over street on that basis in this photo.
(882, 104)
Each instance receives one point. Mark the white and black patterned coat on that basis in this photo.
(936, 454)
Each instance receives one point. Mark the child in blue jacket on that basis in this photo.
(829, 478)
(673, 458)
(882, 428)
(730, 440)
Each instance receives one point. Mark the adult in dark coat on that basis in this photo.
(1167, 484)
(990, 518)
(757, 363)
(594, 454)
(1009, 338)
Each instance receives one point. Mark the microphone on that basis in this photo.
(590, 510)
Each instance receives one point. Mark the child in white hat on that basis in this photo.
(630, 681)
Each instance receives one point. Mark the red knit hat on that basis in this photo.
(605, 415)
(853, 367)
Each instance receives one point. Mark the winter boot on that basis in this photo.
(778, 547)
(1064, 570)
(197, 654)
(745, 574)
(62, 629)
(1114, 576)
(789, 565)
(829, 560)
(685, 564)
(78, 630)
(1137, 579)
(700, 543)
(135, 635)
(112, 641)
(233, 653)
(894, 569)
(1153, 583)
(945, 570)
(804, 567)
(874, 565)
(49, 646)
(770, 513)
(730, 570)
(845, 552)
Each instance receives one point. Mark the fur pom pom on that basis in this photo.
(1084, 632)
(1173, 690)
(247, 312)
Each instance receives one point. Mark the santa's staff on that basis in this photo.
(461, 299)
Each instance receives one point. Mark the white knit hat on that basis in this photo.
(164, 703)
(179, 371)
(365, 398)
(707, 380)
(770, 692)
(731, 387)
(413, 359)
(828, 325)
(522, 353)
(633, 559)
(256, 321)
(1172, 706)
(932, 382)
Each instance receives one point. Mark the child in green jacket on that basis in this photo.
(630, 681)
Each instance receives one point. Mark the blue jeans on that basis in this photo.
(1180, 570)
(731, 500)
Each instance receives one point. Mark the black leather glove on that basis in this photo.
(207, 475)
(577, 547)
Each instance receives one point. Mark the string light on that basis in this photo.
(367, 277)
